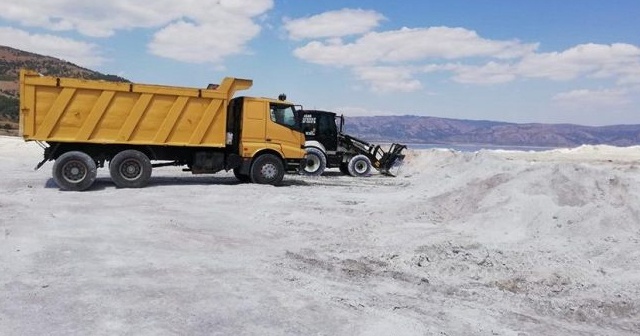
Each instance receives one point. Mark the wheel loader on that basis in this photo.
(327, 146)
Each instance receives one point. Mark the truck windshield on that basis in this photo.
(284, 115)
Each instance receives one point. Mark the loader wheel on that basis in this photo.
(74, 171)
(316, 162)
(241, 177)
(130, 169)
(267, 169)
(359, 165)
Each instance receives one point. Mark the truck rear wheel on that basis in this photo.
(74, 171)
(130, 169)
(359, 165)
(267, 169)
(316, 162)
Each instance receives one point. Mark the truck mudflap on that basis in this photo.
(49, 152)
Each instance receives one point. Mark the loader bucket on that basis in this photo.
(392, 160)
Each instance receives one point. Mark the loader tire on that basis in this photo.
(74, 171)
(267, 169)
(359, 165)
(130, 169)
(316, 162)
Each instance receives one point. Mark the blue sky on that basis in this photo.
(549, 61)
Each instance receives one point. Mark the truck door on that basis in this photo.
(253, 126)
(283, 128)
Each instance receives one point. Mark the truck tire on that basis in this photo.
(267, 169)
(130, 169)
(316, 162)
(74, 171)
(359, 165)
(241, 177)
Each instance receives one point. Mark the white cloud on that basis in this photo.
(388, 79)
(201, 43)
(356, 111)
(470, 58)
(338, 23)
(505, 61)
(90, 18)
(490, 73)
(77, 52)
(586, 59)
(593, 99)
(619, 61)
(335, 53)
(376, 55)
(414, 44)
(188, 30)
(410, 45)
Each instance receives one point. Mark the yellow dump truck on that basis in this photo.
(83, 124)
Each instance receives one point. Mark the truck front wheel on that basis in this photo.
(74, 171)
(267, 169)
(130, 169)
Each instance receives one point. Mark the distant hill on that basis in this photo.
(415, 129)
(12, 60)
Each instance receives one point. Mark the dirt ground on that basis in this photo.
(485, 243)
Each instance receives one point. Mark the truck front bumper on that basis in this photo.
(295, 165)
(290, 165)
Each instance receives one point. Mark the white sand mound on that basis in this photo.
(485, 243)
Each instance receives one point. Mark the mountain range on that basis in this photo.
(431, 130)
(12, 60)
(402, 129)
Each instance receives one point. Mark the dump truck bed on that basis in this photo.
(56, 109)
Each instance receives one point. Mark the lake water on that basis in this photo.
(475, 148)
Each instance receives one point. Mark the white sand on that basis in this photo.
(486, 243)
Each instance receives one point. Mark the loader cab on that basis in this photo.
(321, 126)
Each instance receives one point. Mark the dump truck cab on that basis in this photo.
(263, 125)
